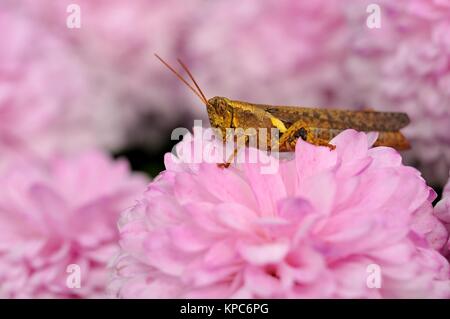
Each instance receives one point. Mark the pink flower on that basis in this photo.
(310, 230)
(404, 66)
(442, 210)
(116, 42)
(50, 101)
(270, 51)
(60, 213)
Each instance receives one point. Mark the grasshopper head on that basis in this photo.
(220, 112)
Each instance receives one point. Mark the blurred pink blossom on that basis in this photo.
(116, 42)
(310, 230)
(405, 66)
(442, 210)
(269, 51)
(50, 101)
(59, 213)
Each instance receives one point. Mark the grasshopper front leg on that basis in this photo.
(303, 130)
(230, 159)
(235, 152)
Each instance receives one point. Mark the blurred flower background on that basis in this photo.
(65, 91)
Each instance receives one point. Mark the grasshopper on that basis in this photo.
(313, 125)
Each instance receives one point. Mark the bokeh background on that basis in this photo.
(67, 89)
(86, 113)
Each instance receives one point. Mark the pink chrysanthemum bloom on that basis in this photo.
(270, 51)
(442, 210)
(49, 99)
(404, 66)
(61, 213)
(116, 41)
(313, 229)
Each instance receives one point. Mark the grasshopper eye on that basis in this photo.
(301, 133)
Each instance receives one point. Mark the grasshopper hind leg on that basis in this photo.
(393, 139)
(301, 130)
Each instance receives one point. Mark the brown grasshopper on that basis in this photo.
(313, 125)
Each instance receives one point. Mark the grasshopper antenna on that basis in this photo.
(192, 78)
(199, 94)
